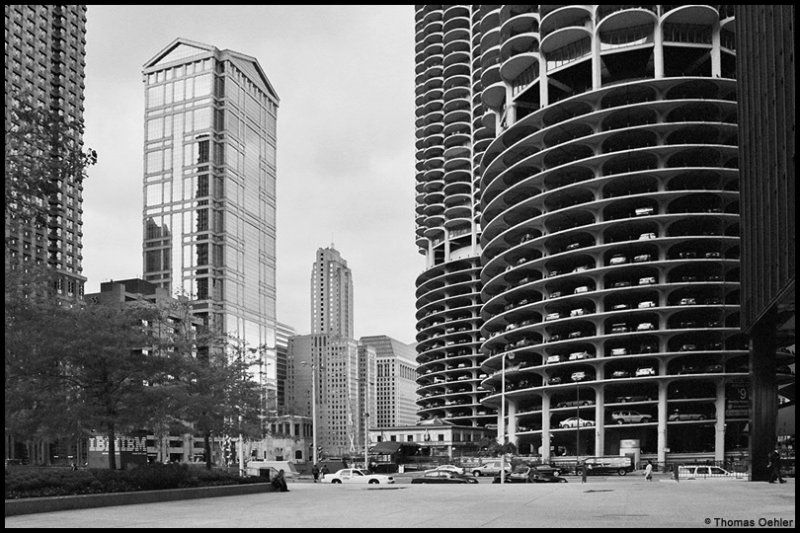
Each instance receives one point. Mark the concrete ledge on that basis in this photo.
(84, 501)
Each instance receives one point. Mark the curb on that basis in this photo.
(85, 501)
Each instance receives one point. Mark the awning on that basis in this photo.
(386, 447)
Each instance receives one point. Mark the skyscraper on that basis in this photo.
(331, 294)
(45, 59)
(395, 382)
(209, 189)
(607, 209)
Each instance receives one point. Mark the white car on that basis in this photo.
(708, 472)
(572, 422)
(447, 468)
(490, 468)
(356, 476)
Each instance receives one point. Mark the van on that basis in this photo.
(254, 468)
(619, 464)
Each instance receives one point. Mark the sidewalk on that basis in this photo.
(628, 502)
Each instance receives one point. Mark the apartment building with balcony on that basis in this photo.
(45, 60)
(609, 233)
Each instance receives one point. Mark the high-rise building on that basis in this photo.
(395, 382)
(283, 333)
(333, 363)
(766, 83)
(453, 128)
(331, 295)
(45, 59)
(209, 189)
(607, 209)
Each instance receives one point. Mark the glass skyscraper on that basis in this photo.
(209, 189)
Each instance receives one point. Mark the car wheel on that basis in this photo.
(562, 480)
(373, 481)
(476, 473)
(622, 471)
(620, 421)
(336, 481)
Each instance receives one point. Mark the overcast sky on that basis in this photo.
(345, 79)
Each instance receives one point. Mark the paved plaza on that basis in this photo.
(627, 502)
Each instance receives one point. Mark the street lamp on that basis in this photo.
(577, 424)
(313, 408)
(503, 415)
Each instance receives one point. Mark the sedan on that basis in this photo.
(442, 476)
(446, 468)
(574, 421)
(533, 474)
(356, 476)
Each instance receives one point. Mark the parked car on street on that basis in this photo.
(533, 474)
(489, 468)
(612, 464)
(442, 476)
(708, 472)
(447, 468)
(356, 476)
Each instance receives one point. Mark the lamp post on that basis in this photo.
(313, 409)
(577, 424)
(503, 416)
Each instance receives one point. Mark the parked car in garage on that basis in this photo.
(630, 417)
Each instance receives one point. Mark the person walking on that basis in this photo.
(324, 471)
(774, 466)
(315, 472)
(648, 471)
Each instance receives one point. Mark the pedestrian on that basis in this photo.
(648, 471)
(324, 471)
(315, 472)
(774, 466)
(280, 482)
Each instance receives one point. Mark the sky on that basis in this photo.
(345, 155)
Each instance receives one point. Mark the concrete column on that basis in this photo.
(662, 422)
(597, 72)
(545, 428)
(763, 415)
(512, 421)
(511, 107)
(716, 51)
(446, 246)
(600, 424)
(658, 51)
(719, 427)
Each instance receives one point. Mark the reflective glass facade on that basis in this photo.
(209, 189)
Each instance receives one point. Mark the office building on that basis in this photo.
(283, 333)
(331, 295)
(766, 94)
(395, 382)
(209, 190)
(328, 366)
(45, 59)
(607, 207)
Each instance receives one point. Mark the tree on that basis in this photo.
(223, 399)
(70, 370)
(42, 150)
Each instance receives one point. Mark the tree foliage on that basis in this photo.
(109, 369)
(43, 148)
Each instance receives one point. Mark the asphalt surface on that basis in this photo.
(619, 502)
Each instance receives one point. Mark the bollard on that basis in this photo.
(676, 473)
